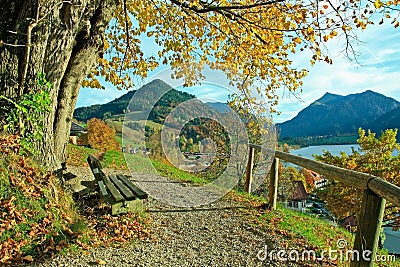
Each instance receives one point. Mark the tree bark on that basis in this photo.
(66, 40)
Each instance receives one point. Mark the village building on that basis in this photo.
(75, 132)
(315, 179)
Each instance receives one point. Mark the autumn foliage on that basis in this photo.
(101, 136)
(35, 216)
(250, 41)
(377, 157)
(38, 218)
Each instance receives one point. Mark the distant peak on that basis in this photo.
(326, 98)
(327, 94)
(370, 92)
(157, 81)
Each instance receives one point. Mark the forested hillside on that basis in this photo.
(119, 105)
(335, 115)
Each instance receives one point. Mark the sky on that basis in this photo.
(377, 69)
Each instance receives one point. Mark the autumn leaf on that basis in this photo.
(100, 262)
(297, 40)
(378, 4)
(28, 258)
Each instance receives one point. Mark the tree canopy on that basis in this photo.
(251, 41)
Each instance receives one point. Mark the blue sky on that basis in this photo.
(378, 69)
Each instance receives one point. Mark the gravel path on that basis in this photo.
(213, 235)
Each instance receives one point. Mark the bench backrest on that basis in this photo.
(96, 168)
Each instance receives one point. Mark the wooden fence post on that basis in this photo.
(368, 229)
(273, 184)
(249, 170)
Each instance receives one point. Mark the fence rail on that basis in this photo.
(376, 192)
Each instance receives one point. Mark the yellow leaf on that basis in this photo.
(85, 83)
(297, 40)
(378, 4)
(28, 258)
(100, 262)
(106, 44)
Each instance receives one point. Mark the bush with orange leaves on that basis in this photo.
(101, 136)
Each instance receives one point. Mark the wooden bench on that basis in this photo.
(117, 190)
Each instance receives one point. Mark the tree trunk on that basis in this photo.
(62, 39)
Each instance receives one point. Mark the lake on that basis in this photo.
(392, 241)
(335, 150)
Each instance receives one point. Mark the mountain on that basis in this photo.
(337, 115)
(221, 107)
(389, 120)
(151, 90)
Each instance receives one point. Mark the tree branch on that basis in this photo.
(209, 7)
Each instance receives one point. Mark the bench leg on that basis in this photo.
(126, 206)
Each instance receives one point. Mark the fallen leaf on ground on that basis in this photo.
(28, 258)
(100, 262)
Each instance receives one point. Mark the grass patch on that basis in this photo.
(152, 124)
(300, 231)
(137, 115)
(176, 173)
(118, 137)
(77, 155)
(114, 160)
(305, 227)
(308, 232)
(139, 163)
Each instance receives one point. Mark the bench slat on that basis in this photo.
(122, 188)
(138, 192)
(95, 167)
(113, 190)
(103, 189)
(94, 162)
